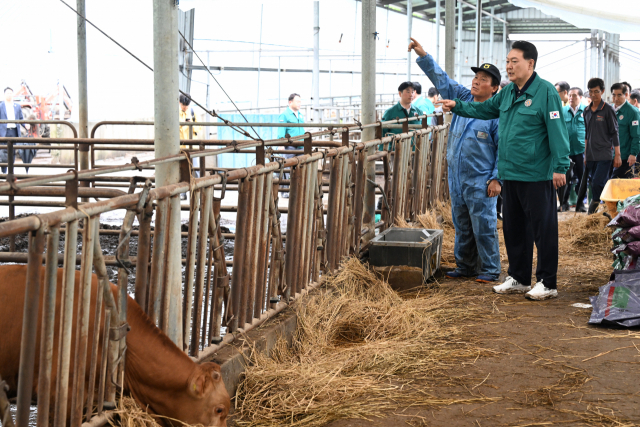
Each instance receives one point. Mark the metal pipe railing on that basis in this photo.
(269, 270)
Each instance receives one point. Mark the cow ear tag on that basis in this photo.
(527, 103)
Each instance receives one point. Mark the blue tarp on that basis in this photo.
(236, 160)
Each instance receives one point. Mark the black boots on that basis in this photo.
(580, 207)
(593, 206)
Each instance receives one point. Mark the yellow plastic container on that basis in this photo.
(619, 189)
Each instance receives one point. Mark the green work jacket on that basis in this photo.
(534, 142)
(628, 130)
(575, 128)
(397, 112)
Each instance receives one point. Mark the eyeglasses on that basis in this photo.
(594, 91)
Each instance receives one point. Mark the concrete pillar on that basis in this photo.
(409, 24)
(594, 53)
(167, 142)
(369, 107)
(438, 31)
(600, 54)
(450, 37)
(316, 61)
(491, 41)
(505, 44)
(478, 31)
(584, 88)
(83, 102)
(459, 46)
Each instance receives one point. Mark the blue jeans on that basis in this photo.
(599, 175)
(476, 247)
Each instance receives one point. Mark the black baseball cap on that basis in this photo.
(488, 68)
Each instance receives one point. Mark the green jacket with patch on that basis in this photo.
(575, 128)
(397, 112)
(628, 130)
(534, 142)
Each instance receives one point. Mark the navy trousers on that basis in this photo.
(530, 216)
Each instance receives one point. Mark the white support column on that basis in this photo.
(368, 114)
(450, 37)
(438, 31)
(409, 24)
(316, 61)
(491, 41)
(459, 45)
(594, 54)
(478, 31)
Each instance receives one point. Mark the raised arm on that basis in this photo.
(448, 88)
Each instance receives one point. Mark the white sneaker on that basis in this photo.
(541, 292)
(511, 286)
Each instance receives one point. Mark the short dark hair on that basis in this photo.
(504, 83)
(528, 50)
(596, 82)
(405, 85)
(432, 92)
(6, 89)
(635, 95)
(564, 86)
(578, 89)
(418, 87)
(627, 85)
(293, 95)
(185, 100)
(619, 86)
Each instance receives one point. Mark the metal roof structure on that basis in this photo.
(523, 21)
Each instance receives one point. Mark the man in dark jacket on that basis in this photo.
(601, 126)
(9, 110)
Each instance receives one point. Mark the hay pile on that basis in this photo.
(358, 351)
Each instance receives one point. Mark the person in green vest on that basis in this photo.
(628, 131)
(574, 120)
(533, 158)
(401, 110)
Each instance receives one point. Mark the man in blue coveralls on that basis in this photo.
(291, 115)
(472, 158)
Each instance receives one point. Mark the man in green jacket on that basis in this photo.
(628, 134)
(533, 158)
(402, 110)
(574, 120)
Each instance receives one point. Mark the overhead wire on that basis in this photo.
(218, 83)
(210, 112)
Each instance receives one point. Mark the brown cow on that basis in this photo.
(158, 375)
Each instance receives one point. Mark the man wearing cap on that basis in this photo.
(472, 159)
(402, 110)
(534, 158)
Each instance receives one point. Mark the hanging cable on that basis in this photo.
(212, 112)
(218, 83)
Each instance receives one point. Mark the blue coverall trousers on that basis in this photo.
(475, 219)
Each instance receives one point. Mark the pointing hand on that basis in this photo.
(417, 47)
(447, 104)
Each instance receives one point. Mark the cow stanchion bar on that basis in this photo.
(272, 264)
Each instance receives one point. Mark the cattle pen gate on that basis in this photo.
(222, 294)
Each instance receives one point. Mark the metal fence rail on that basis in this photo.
(271, 266)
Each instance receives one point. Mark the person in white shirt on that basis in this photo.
(9, 110)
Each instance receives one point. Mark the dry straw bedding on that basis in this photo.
(358, 350)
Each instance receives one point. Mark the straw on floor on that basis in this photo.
(358, 351)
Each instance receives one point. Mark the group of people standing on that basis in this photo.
(10, 110)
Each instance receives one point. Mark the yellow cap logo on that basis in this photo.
(486, 66)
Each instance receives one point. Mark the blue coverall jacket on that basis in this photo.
(472, 158)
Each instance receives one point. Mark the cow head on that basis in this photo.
(206, 402)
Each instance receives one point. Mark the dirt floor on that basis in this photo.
(550, 368)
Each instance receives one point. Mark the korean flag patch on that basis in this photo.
(634, 123)
(554, 114)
